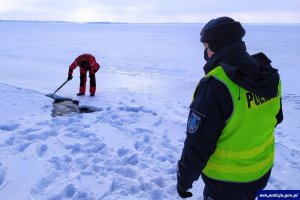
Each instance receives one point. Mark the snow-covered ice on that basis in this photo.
(129, 148)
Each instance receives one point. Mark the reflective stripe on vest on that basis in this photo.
(245, 149)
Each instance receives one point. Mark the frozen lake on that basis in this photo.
(130, 148)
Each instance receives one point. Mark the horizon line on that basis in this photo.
(107, 22)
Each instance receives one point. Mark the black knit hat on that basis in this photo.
(220, 32)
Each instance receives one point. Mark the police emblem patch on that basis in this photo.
(193, 123)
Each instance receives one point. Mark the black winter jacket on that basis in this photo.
(212, 106)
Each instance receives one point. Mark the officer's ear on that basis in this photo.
(210, 52)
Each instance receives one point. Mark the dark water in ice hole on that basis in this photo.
(67, 106)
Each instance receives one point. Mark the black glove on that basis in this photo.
(182, 192)
(181, 189)
(70, 77)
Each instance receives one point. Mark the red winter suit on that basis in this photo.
(87, 62)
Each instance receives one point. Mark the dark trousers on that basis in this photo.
(220, 190)
(219, 193)
(82, 86)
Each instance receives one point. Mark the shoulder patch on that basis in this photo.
(193, 122)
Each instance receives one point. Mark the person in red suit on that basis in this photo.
(86, 62)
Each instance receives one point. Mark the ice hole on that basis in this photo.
(63, 107)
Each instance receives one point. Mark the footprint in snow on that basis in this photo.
(144, 145)
(69, 191)
(61, 164)
(278, 184)
(42, 185)
(123, 151)
(159, 181)
(9, 127)
(289, 155)
(126, 172)
(40, 151)
(136, 109)
(22, 147)
(2, 176)
(10, 140)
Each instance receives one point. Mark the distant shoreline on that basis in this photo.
(62, 22)
(70, 22)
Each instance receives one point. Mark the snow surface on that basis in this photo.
(128, 149)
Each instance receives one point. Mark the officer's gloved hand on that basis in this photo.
(182, 189)
(182, 192)
(70, 77)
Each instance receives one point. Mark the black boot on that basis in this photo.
(80, 94)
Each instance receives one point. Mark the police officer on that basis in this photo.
(87, 63)
(230, 128)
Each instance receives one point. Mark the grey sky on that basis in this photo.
(149, 11)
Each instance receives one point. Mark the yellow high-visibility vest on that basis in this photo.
(245, 149)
